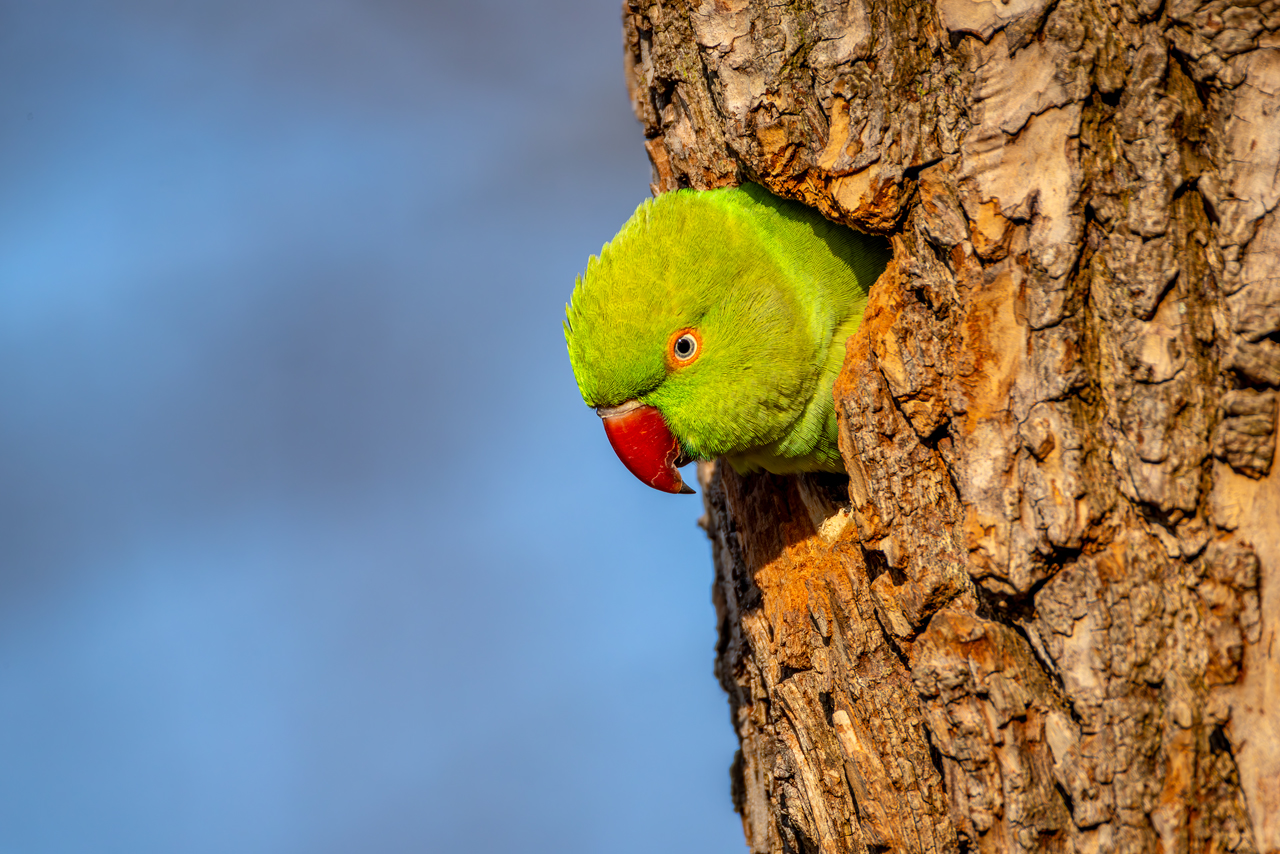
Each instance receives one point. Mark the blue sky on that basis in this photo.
(307, 542)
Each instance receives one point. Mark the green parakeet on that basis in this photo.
(713, 325)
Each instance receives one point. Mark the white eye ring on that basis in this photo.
(685, 347)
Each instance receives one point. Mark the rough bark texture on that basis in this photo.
(1041, 614)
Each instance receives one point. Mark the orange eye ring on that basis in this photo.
(684, 347)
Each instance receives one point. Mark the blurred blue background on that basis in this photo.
(307, 542)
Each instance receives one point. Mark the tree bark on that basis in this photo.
(1041, 614)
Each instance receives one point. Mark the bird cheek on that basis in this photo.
(643, 441)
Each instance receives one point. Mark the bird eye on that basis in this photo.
(685, 347)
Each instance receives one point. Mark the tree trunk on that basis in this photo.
(1040, 615)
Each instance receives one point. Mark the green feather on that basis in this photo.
(773, 290)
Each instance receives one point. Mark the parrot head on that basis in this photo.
(706, 328)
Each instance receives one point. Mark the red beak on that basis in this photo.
(642, 440)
